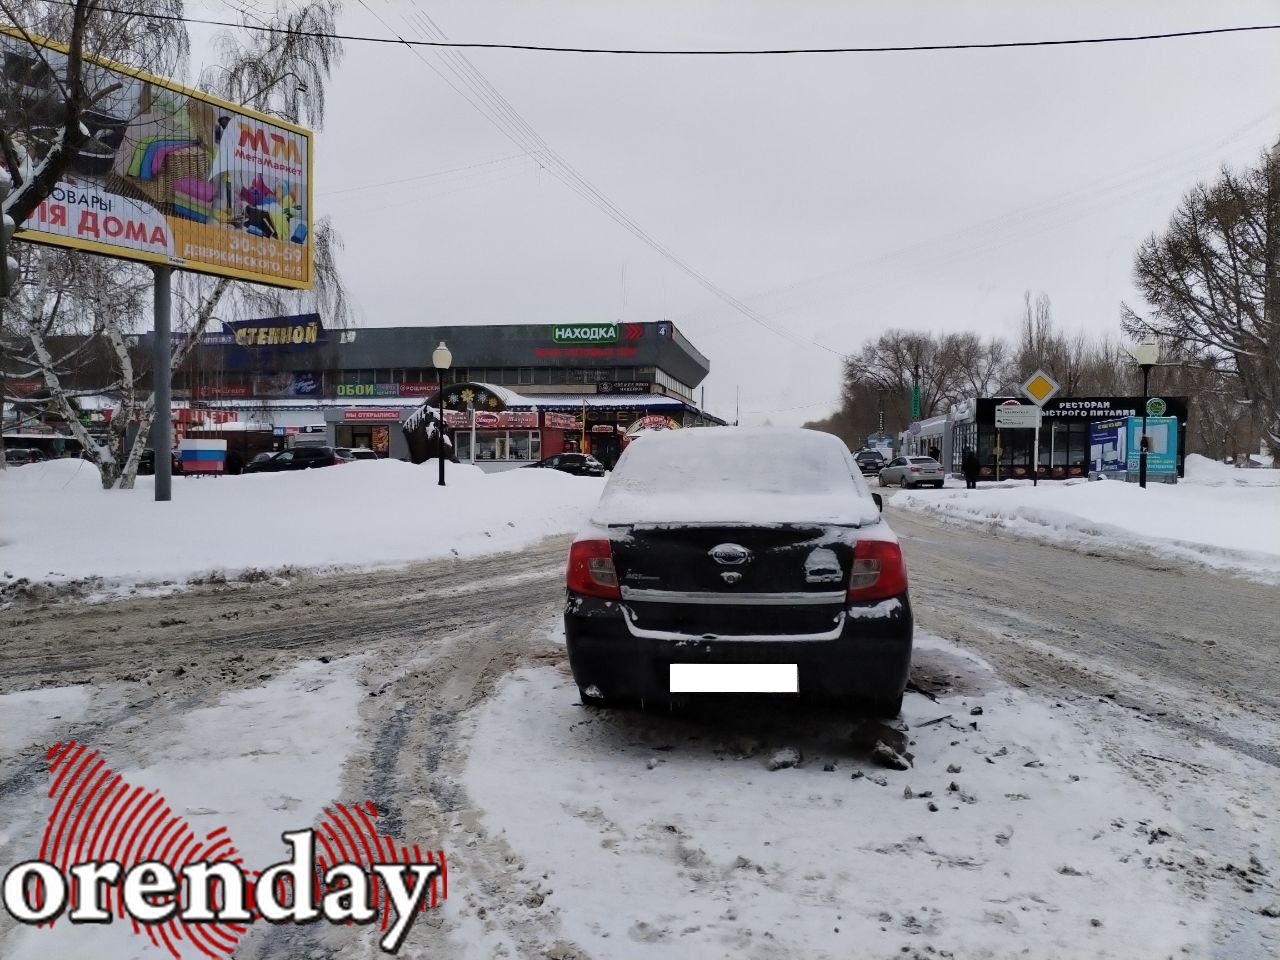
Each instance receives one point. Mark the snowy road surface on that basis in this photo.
(1101, 754)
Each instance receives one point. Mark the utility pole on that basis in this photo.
(1271, 289)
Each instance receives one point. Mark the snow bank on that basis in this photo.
(1201, 471)
(1197, 521)
(57, 524)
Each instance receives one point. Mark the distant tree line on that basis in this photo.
(1211, 282)
(952, 367)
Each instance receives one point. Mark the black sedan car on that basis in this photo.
(578, 464)
(870, 462)
(706, 564)
(297, 458)
(16, 456)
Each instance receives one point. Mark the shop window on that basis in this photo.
(575, 375)
(462, 444)
(556, 375)
(510, 376)
(519, 446)
(541, 375)
(525, 375)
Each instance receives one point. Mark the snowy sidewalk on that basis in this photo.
(1217, 516)
(58, 527)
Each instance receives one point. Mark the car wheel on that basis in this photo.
(938, 485)
(883, 483)
(903, 483)
(884, 708)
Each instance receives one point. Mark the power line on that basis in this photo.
(499, 111)
(422, 176)
(664, 52)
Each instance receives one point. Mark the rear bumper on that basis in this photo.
(870, 658)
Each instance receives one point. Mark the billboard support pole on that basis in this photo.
(1035, 465)
(161, 375)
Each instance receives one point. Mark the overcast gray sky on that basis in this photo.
(836, 195)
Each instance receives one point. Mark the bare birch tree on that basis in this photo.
(1212, 280)
(282, 69)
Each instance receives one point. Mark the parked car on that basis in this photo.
(578, 464)
(910, 472)
(356, 453)
(147, 463)
(703, 552)
(297, 458)
(16, 456)
(870, 462)
(259, 457)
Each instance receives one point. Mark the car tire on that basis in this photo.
(883, 708)
(882, 482)
(904, 483)
(938, 485)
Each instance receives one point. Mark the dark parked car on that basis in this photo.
(578, 464)
(870, 462)
(298, 458)
(703, 553)
(147, 463)
(16, 456)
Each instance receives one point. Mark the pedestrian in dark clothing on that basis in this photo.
(235, 462)
(969, 467)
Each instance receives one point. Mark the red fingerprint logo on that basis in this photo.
(99, 817)
(347, 835)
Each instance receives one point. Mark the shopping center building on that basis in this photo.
(524, 391)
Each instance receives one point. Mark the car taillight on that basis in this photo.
(915, 469)
(878, 571)
(591, 571)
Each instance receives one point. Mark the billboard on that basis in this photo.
(1162, 444)
(1107, 445)
(168, 175)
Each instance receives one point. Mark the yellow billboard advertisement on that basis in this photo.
(168, 175)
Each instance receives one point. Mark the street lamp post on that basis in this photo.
(442, 359)
(1148, 355)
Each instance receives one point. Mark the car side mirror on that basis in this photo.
(879, 501)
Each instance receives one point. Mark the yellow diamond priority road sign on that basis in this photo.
(1040, 388)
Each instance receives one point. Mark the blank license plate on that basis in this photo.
(734, 678)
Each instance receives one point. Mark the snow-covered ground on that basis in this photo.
(258, 762)
(1218, 516)
(1019, 831)
(58, 525)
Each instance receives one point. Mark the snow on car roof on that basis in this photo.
(736, 475)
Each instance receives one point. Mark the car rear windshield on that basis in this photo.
(922, 460)
(739, 474)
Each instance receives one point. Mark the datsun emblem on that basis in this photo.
(730, 554)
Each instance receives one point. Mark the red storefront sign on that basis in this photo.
(603, 428)
(370, 414)
(560, 421)
(589, 352)
(488, 420)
